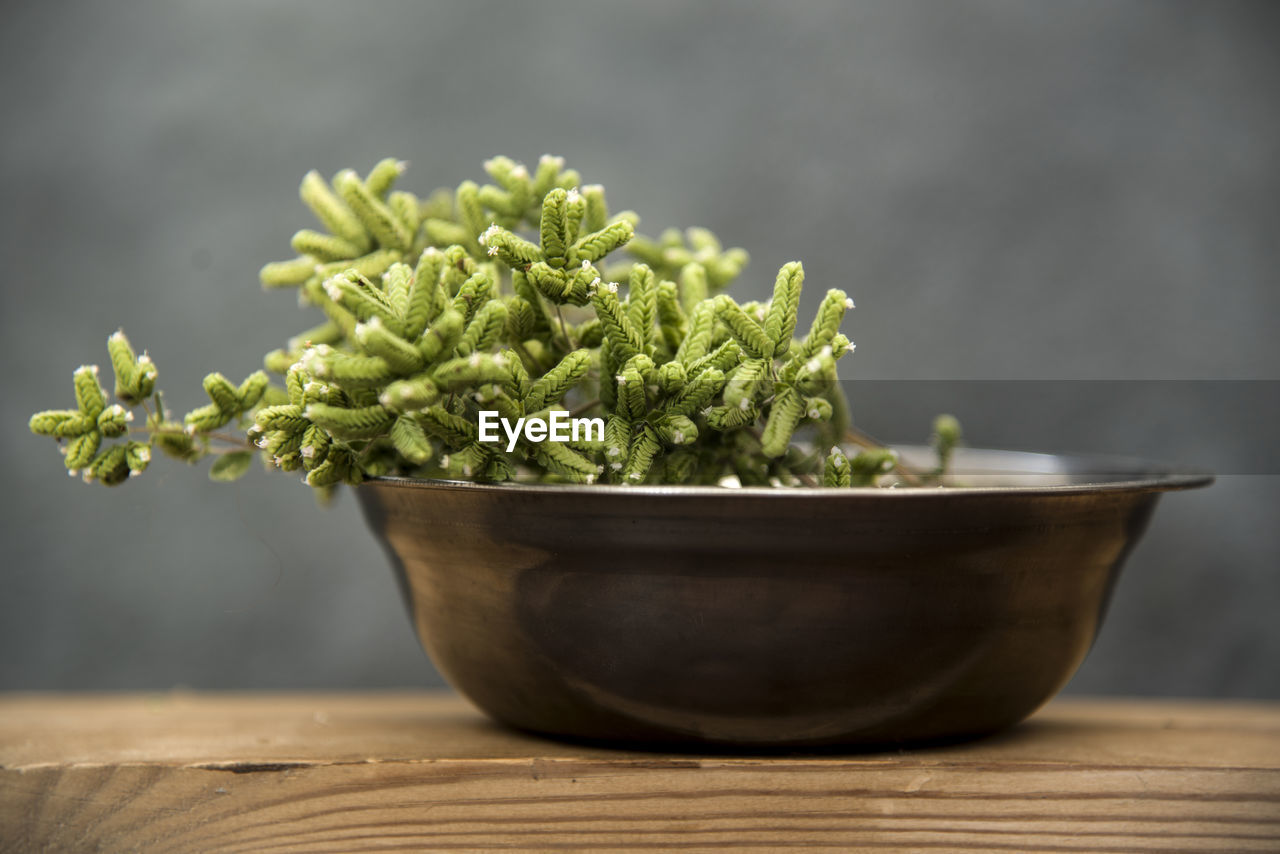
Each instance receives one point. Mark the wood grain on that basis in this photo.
(420, 772)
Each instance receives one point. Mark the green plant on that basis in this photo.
(497, 298)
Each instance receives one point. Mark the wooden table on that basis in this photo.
(416, 771)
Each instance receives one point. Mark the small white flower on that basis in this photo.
(612, 287)
(614, 466)
(491, 251)
(572, 196)
(678, 437)
(635, 475)
(474, 360)
(614, 451)
(813, 413)
(850, 347)
(308, 451)
(813, 366)
(848, 303)
(520, 171)
(744, 404)
(586, 265)
(621, 379)
(589, 479)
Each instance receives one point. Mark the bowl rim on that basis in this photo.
(1123, 474)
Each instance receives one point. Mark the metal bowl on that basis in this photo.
(769, 617)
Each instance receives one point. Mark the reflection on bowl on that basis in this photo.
(769, 617)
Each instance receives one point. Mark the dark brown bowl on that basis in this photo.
(768, 617)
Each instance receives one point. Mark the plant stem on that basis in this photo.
(236, 441)
(863, 440)
(583, 407)
(564, 329)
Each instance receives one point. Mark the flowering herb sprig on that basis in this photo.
(526, 298)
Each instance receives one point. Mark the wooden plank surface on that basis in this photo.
(418, 771)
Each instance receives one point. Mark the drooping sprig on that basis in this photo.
(85, 433)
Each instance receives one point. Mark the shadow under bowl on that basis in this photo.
(769, 617)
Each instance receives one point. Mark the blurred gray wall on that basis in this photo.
(1010, 190)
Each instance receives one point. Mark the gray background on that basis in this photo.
(1011, 190)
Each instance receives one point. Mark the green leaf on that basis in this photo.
(229, 467)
